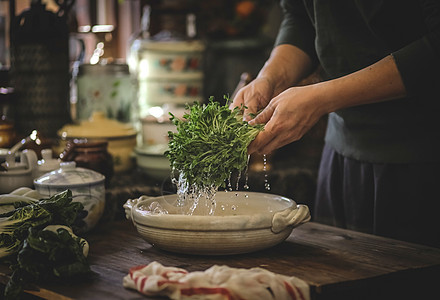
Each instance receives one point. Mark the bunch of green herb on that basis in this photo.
(210, 143)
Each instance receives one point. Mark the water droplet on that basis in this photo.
(266, 181)
(238, 181)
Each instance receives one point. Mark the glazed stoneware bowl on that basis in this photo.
(242, 222)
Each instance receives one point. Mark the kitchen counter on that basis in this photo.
(336, 263)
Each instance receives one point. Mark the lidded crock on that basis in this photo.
(87, 187)
(121, 137)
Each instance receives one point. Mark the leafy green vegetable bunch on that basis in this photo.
(35, 253)
(14, 225)
(210, 143)
(47, 255)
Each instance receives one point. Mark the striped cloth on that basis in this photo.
(215, 283)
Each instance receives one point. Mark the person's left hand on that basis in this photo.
(288, 117)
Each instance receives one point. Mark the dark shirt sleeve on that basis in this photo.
(297, 28)
(419, 62)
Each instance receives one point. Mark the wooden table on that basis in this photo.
(337, 264)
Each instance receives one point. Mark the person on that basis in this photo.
(380, 60)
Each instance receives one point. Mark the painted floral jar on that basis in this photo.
(108, 88)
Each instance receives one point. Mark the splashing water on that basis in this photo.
(189, 197)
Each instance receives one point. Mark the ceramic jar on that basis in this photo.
(87, 187)
(108, 88)
(121, 138)
(168, 71)
(90, 155)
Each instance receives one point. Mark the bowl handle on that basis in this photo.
(293, 216)
(130, 203)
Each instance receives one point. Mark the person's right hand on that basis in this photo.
(253, 97)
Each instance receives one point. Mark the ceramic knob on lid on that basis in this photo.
(87, 187)
(47, 163)
(91, 155)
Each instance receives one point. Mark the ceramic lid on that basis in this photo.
(98, 126)
(69, 175)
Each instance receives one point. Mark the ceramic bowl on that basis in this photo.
(151, 160)
(243, 222)
(87, 187)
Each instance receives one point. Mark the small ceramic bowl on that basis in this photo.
(151, 160)
(243, 222)
(87, 187)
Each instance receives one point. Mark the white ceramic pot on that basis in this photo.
(87, 187)
(243, 222)
(121, 138)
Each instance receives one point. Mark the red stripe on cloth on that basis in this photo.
(290, 290)
(207, 291)
(142, 284)
(293, 290)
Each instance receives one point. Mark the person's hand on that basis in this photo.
(287, 118)
(253, 97)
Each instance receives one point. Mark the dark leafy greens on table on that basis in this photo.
(36, 254)
(210, 143)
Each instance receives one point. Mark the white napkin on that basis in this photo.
(215, 283)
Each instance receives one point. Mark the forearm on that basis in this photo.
(286, 66)
(376, 83)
